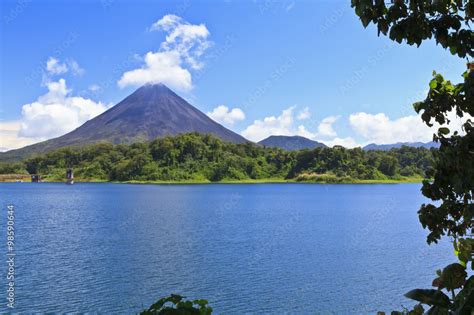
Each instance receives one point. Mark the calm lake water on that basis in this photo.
(266, 248)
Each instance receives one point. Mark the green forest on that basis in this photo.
(203, 158)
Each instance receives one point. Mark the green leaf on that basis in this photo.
(418, 106)
(453, 276)
(443, 130)
(433, 84)
(436, 310)
(430, 297)
(201, 302)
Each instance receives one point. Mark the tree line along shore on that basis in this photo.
(195, 158)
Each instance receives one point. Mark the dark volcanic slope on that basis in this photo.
(151, 111)
(291, 143)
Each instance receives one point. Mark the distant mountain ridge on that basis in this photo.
(386, 147)
(291, 143)
(151, 111)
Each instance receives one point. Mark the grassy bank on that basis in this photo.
(326, 180)
(11, 178)
(278, 181)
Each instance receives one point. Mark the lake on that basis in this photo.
(247, 248)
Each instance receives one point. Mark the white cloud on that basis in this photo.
(347, 142)
(57, 112)
(52, 114)
(303, 132)
(284, 125)
(161, 67)
(281, 125)
(75, 68)
(190, 40)
(185, 43)
(166, 23)
(224, 115)
(304, 114)
(9, 138)
(367, 128)
(261, 129)
(94, 87)
(327, 135)
(380, 129)
(53, 66)
(325, 128)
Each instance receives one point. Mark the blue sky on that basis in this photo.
(258, 67)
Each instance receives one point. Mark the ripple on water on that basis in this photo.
(246, 248)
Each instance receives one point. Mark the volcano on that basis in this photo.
(151, 111)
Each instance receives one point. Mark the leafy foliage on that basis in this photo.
(176, 305)
(12, 168)
(452, 277)
(453, 171)
(194, 157)
(452, 187)
(429, 296)
(417, 20)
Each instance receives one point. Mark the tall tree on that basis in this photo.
(449, 23)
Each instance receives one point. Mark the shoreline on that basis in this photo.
(246, 181)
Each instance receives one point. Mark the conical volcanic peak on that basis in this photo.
(152, 111)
